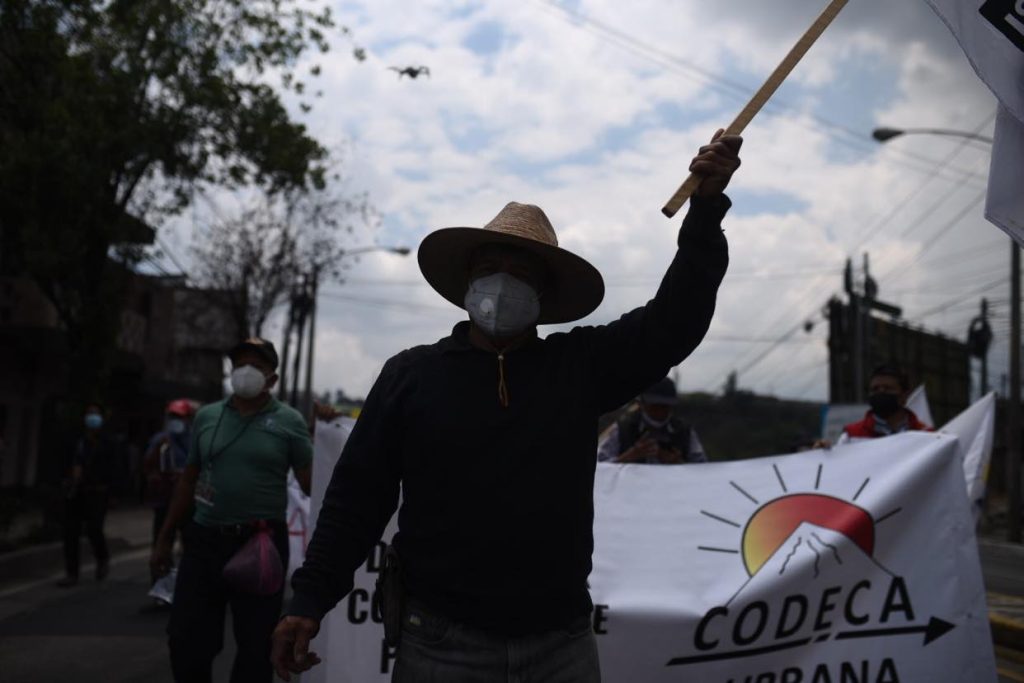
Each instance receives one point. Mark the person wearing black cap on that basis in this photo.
(490, 436)
(236, 473)
(650, 434)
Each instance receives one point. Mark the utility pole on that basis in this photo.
(307, 401)
(857, 353)
(302, 308)
(979, 338)
(861, 323)
(1013, 453)
(289, 324)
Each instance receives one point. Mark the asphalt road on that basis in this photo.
(92, 633)
(111, 633)
(1003, 567)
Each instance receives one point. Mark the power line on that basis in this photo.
(385, 303)
(754, 340)
(170, 254)
(157, 265)
(905, 265)
(965, 298)
(877, 227)
(842, 133)
(764, 354)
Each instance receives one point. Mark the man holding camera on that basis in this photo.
(650, 434)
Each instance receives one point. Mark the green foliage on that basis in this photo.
(114, 112)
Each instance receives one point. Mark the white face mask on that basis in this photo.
(501, 305)
(651, 422)
(176, 426)
(247, 381)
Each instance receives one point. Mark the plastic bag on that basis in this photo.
(256, 568)
(163, 588)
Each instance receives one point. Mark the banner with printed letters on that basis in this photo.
(856, 564)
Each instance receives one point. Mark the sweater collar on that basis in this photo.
(458, 340)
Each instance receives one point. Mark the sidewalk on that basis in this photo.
(1004, 568)
(127, 528)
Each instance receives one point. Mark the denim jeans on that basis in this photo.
(201, 597)
(435, 649)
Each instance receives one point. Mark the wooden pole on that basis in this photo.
(762, 96)
(1013, 445)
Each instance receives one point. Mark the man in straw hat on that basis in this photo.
(490, 433)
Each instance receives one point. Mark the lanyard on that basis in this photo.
(213, 440)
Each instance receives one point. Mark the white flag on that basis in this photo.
(991, 33)
(975, 431)
(1005, 203)
(917, 402)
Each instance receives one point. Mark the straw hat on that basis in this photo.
(574, 287)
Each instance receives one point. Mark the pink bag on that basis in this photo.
(256, 567)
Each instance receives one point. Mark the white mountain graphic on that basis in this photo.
(812, 556)
(812, 560)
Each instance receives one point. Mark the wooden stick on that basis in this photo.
(761, 96)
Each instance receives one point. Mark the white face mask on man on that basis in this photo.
(501, 305)
(247, 381)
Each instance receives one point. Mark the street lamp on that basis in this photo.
(401, 251)
(1013, 460)
(886, 134)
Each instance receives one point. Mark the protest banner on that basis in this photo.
(297, 518)
(796, 569)
(975, 431)
(792, 569)
(350, 640)
(991, 33)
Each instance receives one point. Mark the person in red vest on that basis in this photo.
(887, 396)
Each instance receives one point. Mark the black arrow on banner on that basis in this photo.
(933, 630)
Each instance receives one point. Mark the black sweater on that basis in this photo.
(496, 523)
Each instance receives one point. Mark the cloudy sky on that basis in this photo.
(592, 109)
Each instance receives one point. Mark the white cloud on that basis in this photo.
(557, 112)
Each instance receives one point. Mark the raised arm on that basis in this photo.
(636, 350)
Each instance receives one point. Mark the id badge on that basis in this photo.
(204, 488)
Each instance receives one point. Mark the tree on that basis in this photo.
(113, 113)
(268, 253)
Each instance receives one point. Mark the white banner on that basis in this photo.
(804, 568)
(297, 517)
(350, 641)
(793, 569)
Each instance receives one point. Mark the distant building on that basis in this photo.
(170, 345)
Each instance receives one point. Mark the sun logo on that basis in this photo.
(813, 578)
(776, 520)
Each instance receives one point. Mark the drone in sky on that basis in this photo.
(411, 71)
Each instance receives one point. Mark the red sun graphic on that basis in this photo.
(773, 523)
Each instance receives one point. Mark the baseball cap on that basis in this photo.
(662, 392)
(260, 346)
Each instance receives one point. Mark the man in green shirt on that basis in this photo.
(236, 475)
